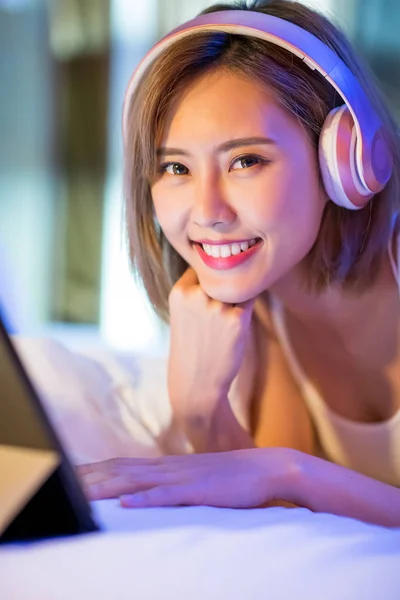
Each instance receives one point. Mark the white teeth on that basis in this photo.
(226, 250)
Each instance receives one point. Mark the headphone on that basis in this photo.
(354, 157)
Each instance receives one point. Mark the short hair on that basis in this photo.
(350, 245)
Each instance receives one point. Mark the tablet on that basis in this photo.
(40, 493)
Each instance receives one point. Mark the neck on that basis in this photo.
(336, 309)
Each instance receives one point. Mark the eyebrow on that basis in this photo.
(224, 147)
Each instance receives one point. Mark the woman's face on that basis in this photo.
(238, 193)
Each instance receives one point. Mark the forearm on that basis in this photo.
(218, 432)
(326, 487)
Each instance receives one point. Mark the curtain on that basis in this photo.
(79, 40)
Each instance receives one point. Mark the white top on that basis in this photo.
(370, 448)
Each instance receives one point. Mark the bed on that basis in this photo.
(105, 404)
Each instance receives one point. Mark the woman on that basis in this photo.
(277, 292)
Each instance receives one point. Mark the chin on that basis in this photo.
(229, 295)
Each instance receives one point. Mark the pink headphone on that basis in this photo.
(354, 157)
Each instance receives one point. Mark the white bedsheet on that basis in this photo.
(118, 406)
(200, 553)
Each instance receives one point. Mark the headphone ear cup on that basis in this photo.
(325, 155)
(337, 160)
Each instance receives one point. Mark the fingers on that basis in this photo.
(121, 476)
(107, 488)
(102, 486)
(114, 464)
(83, 470)
(188, 279)
(118, 476)
(173, 495)
(111, 478)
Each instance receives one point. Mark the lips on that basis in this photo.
(222, 257)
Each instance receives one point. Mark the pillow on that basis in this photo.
(101, 407)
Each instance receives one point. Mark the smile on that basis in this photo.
(227, 256)
(226, 250)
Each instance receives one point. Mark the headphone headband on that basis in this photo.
(371, 149)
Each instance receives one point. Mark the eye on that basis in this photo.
(247, 161)
(174, 168)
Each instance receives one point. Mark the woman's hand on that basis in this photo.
(208, 341)
(237, 479)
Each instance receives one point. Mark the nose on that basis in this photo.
(211, 206)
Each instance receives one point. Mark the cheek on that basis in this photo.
(163, 203)
(296, 202)
(170, 216)
(159, 203)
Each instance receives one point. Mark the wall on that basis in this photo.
(26, 182)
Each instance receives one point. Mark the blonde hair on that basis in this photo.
(351, 244)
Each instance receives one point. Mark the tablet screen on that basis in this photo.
(40, 494)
